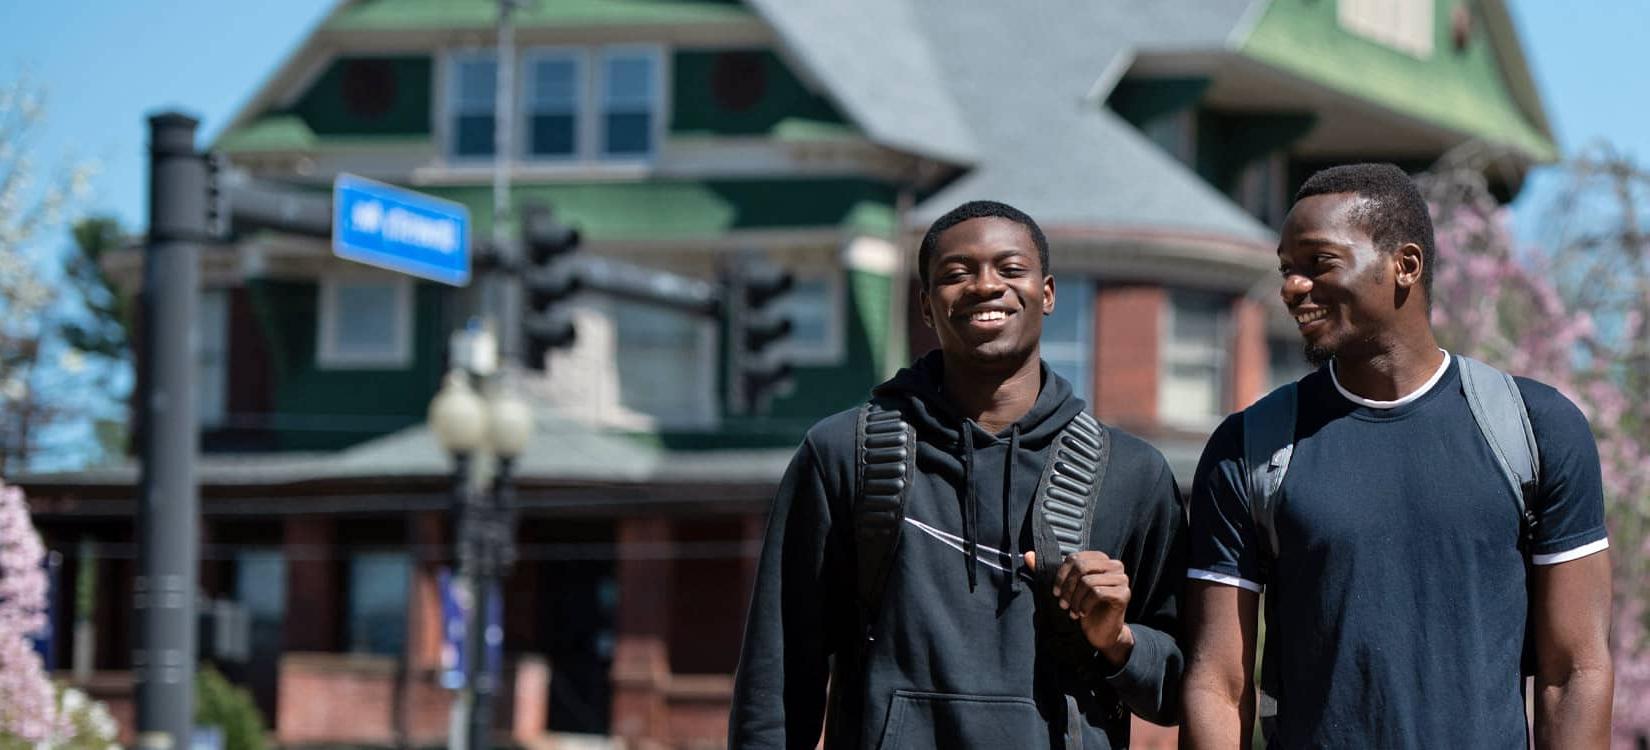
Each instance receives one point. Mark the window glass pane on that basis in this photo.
(553, 135)
(628, 134)
(364, 318)
(1067, 340)
(1193, 384)
(809, 306)
(661, 362)
(1190, 392)
(1196, 321)
(476, 83)
(1286, 361)
(555, 86)
(629, 81)
(474, 135)
(260, 584)
(378, 584)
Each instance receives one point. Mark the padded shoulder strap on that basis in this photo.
(885, 459)
(1268, 444)
(1068, 492)
(1498, 408)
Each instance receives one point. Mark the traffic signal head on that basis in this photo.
(754, 328)
(550, 280)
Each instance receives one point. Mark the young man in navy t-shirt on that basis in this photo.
(1400, 594)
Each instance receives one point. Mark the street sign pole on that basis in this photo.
(163, 661)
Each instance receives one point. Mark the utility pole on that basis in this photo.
(163, 661)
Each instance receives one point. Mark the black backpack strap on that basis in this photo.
(885, 460)
(1066, 495)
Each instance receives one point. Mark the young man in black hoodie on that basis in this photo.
(967, 645)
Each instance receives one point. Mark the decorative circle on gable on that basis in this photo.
(738, 80)
(368, 87)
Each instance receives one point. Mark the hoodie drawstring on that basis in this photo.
(1007, 543)
(971, 503)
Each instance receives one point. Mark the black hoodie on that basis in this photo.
(955, 657)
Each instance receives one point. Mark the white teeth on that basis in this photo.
(985, 315)
(1308, 317)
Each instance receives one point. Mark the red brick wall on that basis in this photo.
(1127, 323)
(312, 586)
(1248, 370)
(641, 661)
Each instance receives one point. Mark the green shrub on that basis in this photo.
(221, 704)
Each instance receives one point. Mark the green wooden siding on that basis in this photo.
(774, 100)
(369, 96)
(316, 409)
(1461, 90)
(386, 15)
(695, 209)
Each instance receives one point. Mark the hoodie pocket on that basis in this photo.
(924, 721)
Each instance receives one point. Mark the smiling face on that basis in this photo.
(987, 293)
(1344, 293)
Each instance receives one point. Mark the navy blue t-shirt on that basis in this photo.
(1397, 603)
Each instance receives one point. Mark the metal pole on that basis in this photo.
(163, 661)
(506, 298)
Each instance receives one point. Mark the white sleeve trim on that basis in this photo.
(1209, 575)
(1571, 554)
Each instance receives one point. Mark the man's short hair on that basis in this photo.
(1393, 211)
(978, 210)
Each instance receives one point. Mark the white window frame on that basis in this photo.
(597, 102)
(1171, 351)
(832, 350)
(449, 103)
(583, 78)
(328, 355)
(1408, 26)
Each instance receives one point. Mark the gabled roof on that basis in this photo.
(877, 66)
(1031, 81)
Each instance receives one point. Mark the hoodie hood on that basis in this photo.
(917, 392)
(950, 442)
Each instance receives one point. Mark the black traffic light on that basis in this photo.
(549, 280)
(755, 372)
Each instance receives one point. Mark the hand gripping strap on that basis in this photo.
(1067, 494)
(885, 453)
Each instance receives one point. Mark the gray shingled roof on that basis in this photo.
(1032, 78)
(875, 64)
(1017, 90)
(559, 450)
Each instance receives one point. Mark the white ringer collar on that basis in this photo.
(1406, 398)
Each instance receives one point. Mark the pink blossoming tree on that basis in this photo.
(1572, 312)
(28, 701)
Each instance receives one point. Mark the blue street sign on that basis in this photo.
(455, 608)
(401, 230)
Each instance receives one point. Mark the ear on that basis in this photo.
(922, 304)
(1048, 295)
(1408, 264)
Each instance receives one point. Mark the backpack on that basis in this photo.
(1269, 442)
(1067, 492)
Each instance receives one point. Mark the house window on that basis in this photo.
(554, 86)
(377, 603)
(1175, 133)
(213, 362)
(630, 101)
(666, 364)
(1192, 387)
(365, 323)
(1404, 25)
(815, 306)
(1261, 186)
(1068, 334)
(473, 82)
(1285, 361)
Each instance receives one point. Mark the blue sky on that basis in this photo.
(105, 64)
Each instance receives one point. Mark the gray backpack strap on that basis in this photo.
(1268, 444)
(885, 460)
(1498, 408)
